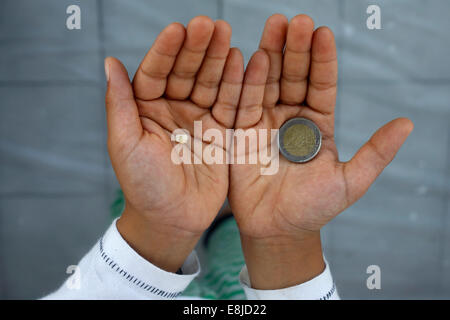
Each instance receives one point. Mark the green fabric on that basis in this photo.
(224, 261)
(118, 205)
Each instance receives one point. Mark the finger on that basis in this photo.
(251, 103)
(365, 166)
(182, 78)
(321, 94)
(124, 126)
(151, 77)
(208, 79)
(224, 110)
(272, 41)
(294, 79)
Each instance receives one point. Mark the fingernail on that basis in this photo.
(106, 71)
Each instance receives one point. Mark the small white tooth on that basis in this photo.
(181, 138)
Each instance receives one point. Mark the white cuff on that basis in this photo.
(115, 253)
(321, 287)
(113, 270)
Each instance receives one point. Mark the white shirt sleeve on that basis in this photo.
(113, 270)
(321, 287)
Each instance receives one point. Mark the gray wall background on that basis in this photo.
(56, 182)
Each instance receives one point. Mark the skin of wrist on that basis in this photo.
(164, 246)
(282, 262)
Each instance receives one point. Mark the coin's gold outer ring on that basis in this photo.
(317, 135)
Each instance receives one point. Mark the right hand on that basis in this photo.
(188, 74)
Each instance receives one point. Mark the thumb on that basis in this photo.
(365, 166)
(124, 125)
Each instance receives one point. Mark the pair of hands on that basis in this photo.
(191, 74)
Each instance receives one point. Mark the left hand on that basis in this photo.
(295, 75)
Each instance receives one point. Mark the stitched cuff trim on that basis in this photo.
(120, 258)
